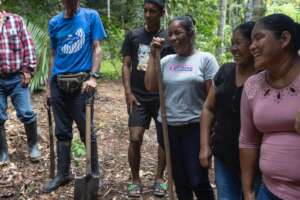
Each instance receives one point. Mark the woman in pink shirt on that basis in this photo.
(269, 106)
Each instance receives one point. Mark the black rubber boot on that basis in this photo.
(63, 167)
(3, 146)
(31, 132)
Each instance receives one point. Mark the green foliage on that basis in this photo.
(205, 13)
(41, 42)
(78, 148)
(128, 14)
(288, 8)
(111, 49)
(109, 71)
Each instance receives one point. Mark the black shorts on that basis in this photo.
(141, 115)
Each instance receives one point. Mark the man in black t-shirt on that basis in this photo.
(142, 105)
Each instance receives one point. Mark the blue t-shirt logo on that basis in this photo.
(74, 42)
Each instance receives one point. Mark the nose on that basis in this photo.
(147, 14)
(233, 48)
(252, 46)
(172, 37)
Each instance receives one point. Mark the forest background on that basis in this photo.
(215, 20)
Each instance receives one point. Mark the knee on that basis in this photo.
(27, 117)
(135, 142)
(136, 137)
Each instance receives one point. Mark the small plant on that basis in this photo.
(78, 148)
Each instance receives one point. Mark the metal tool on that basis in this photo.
(51, 140)
(86, 187)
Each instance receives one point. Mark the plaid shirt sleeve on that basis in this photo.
(29, 55)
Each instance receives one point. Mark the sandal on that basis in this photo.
(135, 190)
(160, 188)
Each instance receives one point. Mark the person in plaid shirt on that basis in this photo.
(17, 63)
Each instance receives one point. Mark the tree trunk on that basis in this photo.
(223, 9)
(108, 10)
(255, 10)
(258, 9)
(249, 10)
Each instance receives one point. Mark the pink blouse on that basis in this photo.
(272, 112)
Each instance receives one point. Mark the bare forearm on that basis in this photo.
(126, 76)
(50, 66)
(97, 55)
(248, 162)
(151, 82)
(206, 123)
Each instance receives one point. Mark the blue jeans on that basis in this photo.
(265, 194)
(67, 108)
(189, 176)
(20, 97)
(228, 181)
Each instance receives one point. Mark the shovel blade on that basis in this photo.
(86, 188)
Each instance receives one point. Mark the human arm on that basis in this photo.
(98, 34)
(90, 84)
(206, 124)
(29, 56)
(151, 82)
(297, 122)
(50, 66)
(249, 148)
(126, 77)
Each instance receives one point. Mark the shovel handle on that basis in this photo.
(88, 114)
(51, 140)
(164, 123)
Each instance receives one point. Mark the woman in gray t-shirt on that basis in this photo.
(187, 76)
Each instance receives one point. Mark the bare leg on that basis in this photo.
(134, 152)
(161, 163)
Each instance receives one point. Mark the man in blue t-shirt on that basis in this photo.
(75, 36)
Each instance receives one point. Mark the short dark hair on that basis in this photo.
(159, 3)
(246, 29)
(278, 23)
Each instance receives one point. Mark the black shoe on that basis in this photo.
(63, 167)
(31, 132)
(3, 146)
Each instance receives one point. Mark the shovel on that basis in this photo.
(51, 140)
(164, 124)
(86, 187)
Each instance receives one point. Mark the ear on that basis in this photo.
(285, 39)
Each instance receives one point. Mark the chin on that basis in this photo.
(259, 66)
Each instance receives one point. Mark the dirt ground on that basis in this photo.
(21, 179)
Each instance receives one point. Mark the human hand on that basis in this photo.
(89, 85)
(297, 122)
(131, 101)
(26, 77)
(157, 43)
(249, 196)
(205, 156)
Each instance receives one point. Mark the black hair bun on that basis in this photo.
(191, 18)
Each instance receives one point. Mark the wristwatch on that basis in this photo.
(95, 75)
